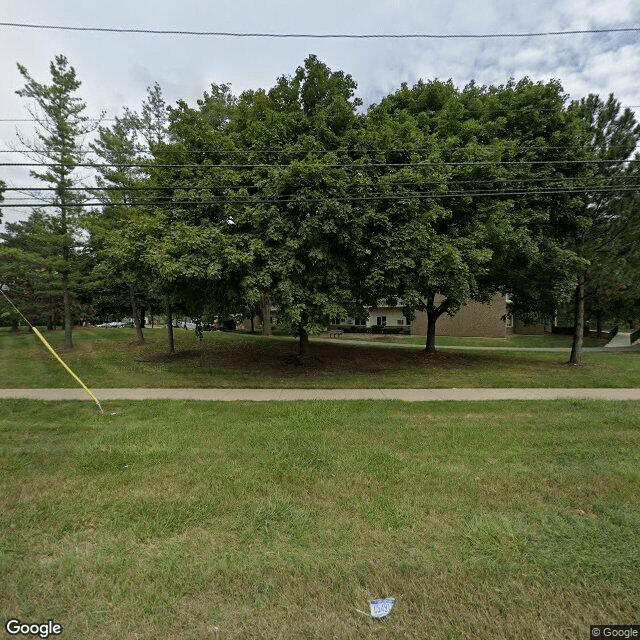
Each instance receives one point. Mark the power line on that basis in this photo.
(376, 197)
(38, 120)
(352, 165)
(233, 34)
(196, 187)
(293, 151)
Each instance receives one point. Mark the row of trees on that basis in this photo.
(292, 196)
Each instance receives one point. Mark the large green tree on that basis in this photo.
(608, 223)
(30, 267)
(120, 188)
(430, 242)
(58, 148)
(194, 248)
(130, 231)
(543, 169)
(479, 175)
(302, 203)
(26, 272)
(162, 225)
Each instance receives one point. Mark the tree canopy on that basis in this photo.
(433, 197)
(62, 127)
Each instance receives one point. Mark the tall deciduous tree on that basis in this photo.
(127, 225)
(541, 176)
(605, 237)
(120, 188)
(301, 210)
(433, 239)
(194, 247)
(62, 126)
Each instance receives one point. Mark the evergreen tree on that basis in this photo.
(59, 150)
(29, 267)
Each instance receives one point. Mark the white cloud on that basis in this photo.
(116, 69)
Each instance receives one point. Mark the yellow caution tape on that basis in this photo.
(59, 359)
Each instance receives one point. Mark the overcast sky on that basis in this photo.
(115, 69)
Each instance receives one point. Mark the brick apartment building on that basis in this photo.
(474, 319)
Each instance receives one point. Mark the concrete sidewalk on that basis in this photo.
(261, 395)
(622, 340)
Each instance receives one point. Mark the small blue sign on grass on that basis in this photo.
(381, 607)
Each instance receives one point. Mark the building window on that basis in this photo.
(401, 322)
(381, 320)
(509, 320)
(361, 321)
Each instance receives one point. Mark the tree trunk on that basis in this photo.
(304, 341)
(51, 320)
(143, 315)
(135, 315)
(253, 329)
(68, 320)
(599, 323)
(66, 254)
(266, 314)
(432, 317)
(578, 323)
(170, 343)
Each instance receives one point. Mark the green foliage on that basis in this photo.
(290, 235)
(2, 188)
(62, 128)
(470, 143)
(437, 196)
(30, 266)
(607, 235)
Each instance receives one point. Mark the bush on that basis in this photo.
(376, 328)
(229, 325)
(568, 331)
(354, 329)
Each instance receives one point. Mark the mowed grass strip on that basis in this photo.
(111, 358)
(279, 520)
(553, 341)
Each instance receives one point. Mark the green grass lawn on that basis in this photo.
(185, 520)
(108, 358)
(536, 342)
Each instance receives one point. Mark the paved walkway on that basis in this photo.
(621, 340)
(258, 395)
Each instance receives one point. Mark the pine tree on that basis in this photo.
(58, 148)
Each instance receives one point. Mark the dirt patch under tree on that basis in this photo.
(278, 358)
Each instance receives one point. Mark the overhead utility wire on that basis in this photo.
(353, 165)
(292, 151)
(376, 197)
(40, 120)
(234, 34)
(197, 187)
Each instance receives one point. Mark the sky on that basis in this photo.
(116, 69)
